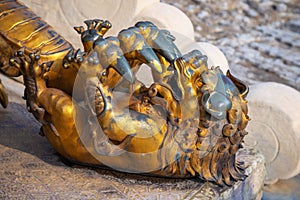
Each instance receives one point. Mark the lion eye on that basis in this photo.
(216, 104)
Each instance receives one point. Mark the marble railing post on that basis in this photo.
(275, 128)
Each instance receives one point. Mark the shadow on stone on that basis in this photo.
(19, 130)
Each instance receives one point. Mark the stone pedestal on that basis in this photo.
(31, 169)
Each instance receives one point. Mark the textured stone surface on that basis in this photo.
(31, 169)
(274, 128)
(15, 89)
(283, 190)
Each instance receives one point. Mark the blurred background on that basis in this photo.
(260, 38)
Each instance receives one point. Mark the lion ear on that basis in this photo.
(79, 29)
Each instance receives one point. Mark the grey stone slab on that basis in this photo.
(283, 190)
(31, 169)
(14, 87)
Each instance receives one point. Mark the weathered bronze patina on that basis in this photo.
(94, 111)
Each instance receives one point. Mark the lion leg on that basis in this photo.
(59, 125)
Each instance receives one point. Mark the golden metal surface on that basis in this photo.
(93, 110)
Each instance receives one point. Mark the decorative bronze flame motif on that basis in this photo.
(94, 111)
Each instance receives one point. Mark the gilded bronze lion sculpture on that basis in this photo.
(189, 123)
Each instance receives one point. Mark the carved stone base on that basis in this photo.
(31, 169)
